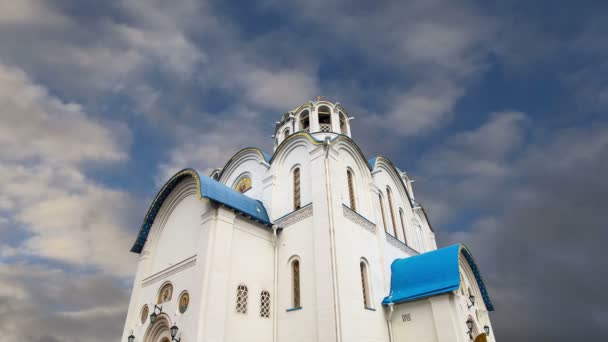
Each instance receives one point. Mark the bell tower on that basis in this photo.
(320, 118)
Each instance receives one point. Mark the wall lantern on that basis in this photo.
(470, 327)
(174, 332)
(487, 330)
(153, 315)
(131, 338)
(472, 299)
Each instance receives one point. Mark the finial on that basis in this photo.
(319, 98)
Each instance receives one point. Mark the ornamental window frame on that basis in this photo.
(242, 297)
(239, 179)
(161, 298)
(265, 304)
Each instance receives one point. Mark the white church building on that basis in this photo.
(315, 242)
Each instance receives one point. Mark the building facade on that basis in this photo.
(312, 243)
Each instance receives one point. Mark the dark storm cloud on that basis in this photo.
(540, 239)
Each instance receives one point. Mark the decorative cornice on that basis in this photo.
(402, 246)
(358, 219)
(180, 266)
(295, 216)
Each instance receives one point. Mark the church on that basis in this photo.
(314, 242)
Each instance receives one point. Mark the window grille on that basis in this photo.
(265, 304)
(351, 190)
(296, 189)
(382, 212)
(241, 299)
(325, 127)
(392, 211)
(295, 270)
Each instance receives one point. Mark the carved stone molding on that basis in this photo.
(358, 219)
(398, 244)
(182, 265)
(295, 216)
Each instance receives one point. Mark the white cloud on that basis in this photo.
(44, 145)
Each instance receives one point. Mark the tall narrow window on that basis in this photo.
(382, 212)
(305, 121)
(365, 284)
(402, 225)
(296, 189)
(241, 299)
(295, 279)
(392, 211)
(265, 304)
(351, 190)
(324, 119)
(343, 129)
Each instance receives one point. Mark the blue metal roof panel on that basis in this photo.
(429, 274)
(372, 162)
(229, 197)
(267, 157)
(208, 188)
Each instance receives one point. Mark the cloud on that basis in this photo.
(536, 227)
(45, 146)
(61, 306)
(471, 166)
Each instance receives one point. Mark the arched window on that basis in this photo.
(305, 121)
(365, 284)
(402, 225)
(296, 189)
(165, 293)
(343, 129)
(295, 283)
(265, 304)
(392, 211)
(324, 119)
(241, 299)
(382, 212)
(351, 190)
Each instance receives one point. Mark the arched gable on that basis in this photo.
(206, 188)
(380, 162)
(242, 155)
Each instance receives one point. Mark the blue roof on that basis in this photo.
(267, 157)
(372, 162)
(208, 188)
(430, 274)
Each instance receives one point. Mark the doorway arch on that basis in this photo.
(159, 331)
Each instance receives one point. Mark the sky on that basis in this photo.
(498, 111)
